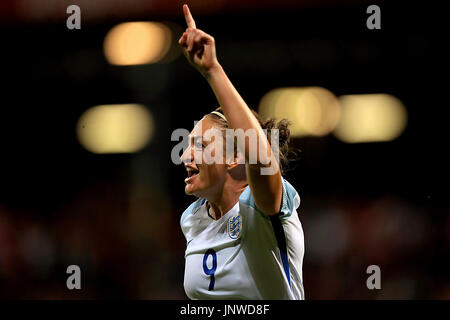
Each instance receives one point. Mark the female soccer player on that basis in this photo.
(244, 237)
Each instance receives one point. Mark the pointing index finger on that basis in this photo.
(187, 15)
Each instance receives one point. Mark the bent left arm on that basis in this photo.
(199, 49)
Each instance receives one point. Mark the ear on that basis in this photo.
(236, 161)
(236, 168)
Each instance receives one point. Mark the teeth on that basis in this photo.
(191, 172)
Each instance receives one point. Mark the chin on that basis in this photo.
(189, 190)
(194, 192)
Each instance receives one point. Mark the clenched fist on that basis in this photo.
(198, 46)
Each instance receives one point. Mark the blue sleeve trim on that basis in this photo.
(281, 241)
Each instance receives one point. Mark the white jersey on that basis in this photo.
(244, 254)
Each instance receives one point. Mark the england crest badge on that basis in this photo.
(234, 226)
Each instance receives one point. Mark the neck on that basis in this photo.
(225, 201)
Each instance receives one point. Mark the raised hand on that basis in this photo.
(198, 46)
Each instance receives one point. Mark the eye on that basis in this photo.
(199, 145)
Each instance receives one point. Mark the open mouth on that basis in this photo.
(192, 172)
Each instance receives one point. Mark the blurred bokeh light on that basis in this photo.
(122, 128)
(313, 110)
(134, 43)
(370, 118)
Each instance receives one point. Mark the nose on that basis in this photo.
(188, 155)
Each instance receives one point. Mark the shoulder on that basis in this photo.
(291, 199)
(194, 206)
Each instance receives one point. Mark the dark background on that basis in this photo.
(117, 216)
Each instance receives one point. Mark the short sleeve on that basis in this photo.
(291, 200)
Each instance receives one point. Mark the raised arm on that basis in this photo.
(199, 48)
